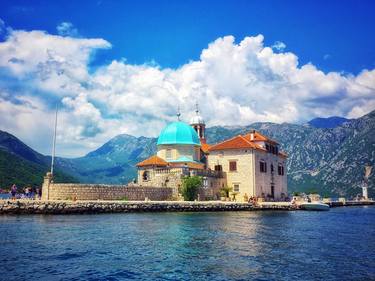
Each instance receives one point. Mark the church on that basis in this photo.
(251, 165)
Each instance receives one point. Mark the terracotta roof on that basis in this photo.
(153, 161)
(259, 137)
(234, 143)
(191, 165)
(245, 142)
(205, 147)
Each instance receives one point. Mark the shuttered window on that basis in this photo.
(232, 166)
(263, 166)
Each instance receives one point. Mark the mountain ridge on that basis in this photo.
(330, 160)
(328, 122)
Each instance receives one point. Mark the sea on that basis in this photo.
(262, 245)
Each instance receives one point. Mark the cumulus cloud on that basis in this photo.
(235, 84)
(279, 46)
(67, 29)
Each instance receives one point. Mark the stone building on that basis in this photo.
(180, 153)
(251, 165)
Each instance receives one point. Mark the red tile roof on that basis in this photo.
(191, 165)
(205, 147)
(245, 142)
(234, 143)
(153, 161)
(259, 137)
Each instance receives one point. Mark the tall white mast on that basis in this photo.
(54, 142)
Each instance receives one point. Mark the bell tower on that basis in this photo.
(198, 124)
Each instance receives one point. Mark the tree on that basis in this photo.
(190, 187)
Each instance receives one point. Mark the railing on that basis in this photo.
(192, 172)
(208, 173)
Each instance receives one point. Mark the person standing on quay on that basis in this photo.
(13, 191)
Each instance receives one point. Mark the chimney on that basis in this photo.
(252, 133)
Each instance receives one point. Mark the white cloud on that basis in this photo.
(235, 84)
(279, 46)
(67, 29)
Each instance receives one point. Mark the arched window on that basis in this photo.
(146, 176)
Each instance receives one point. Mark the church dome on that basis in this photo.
(178, 133)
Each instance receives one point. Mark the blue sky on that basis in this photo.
(333, 35)
(125, 66)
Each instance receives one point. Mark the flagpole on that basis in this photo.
(54, 142)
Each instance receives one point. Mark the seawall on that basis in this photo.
(90, 192)
(88, 207)
(96, 207)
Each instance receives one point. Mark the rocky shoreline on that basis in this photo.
(95, 207)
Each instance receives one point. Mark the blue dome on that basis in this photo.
(178, 133)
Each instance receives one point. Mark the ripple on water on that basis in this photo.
(336, 245)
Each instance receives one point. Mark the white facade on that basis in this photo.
(247, 180)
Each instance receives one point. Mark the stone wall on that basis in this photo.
(70, 191)
(263, 181)
(92, 207)
(243, 176)
(163, 177)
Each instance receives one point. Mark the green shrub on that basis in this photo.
(190, 187)
(224, 191)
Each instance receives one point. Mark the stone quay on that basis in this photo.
(95, 207)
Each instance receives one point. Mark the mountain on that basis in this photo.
(112, 163)
(330, 122)
(22, 165)
(11, 144)
(329, 160)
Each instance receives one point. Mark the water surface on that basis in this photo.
(334, 245)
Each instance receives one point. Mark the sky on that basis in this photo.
(116, 67)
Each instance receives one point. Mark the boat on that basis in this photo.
(314, 206)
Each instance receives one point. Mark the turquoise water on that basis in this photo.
(334, 245)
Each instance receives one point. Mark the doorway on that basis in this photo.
(272, 191)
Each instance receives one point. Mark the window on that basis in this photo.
(267, 147)
(146, 176)
(263, 166)
(233, 166)
(236, 188)
(280, 170)
(218, 168)
(271, 167)
(168, 154)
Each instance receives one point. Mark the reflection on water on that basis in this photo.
(334, 245)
